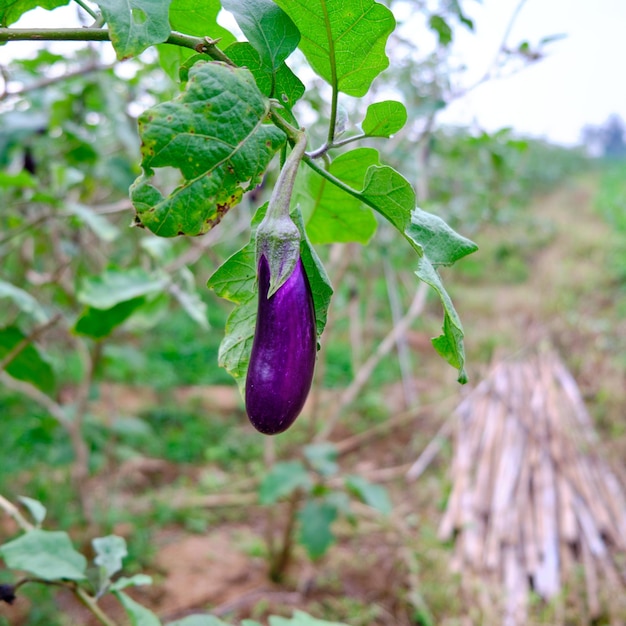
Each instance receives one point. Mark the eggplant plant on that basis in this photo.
(237, 109)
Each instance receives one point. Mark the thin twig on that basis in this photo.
(29, 390)
(52, 80)
(430, 451)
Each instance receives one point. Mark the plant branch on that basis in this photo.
(202, 45)
(322, 150)
(46, 82)
(30, 391)
(90, 602)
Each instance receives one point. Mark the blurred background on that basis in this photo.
(501, 502)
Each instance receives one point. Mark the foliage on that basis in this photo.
(48, 557)
(197, 124)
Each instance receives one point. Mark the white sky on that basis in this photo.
(580, 81)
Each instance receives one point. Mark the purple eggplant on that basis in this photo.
(283, 351)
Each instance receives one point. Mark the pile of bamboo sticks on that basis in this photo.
(533, 499)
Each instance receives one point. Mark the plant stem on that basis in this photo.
(202, 45)
(87, 8)
(281, 560)
(322, 150)
(90, 602)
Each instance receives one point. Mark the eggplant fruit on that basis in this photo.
(282, 360)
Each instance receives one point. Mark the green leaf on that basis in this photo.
(235, 348)
(439, 25)
(116, 286)
(235, 280)
(283, 84)
(268, 28)
(199, 18)
(137, 580)
(282, 480)
(343, 41)
(215, 135)
(322, 457)
(18, 180)
(391, 194)
(375, 496)
(135, 24)
(315, 520)
(321, 288)
(198, 620)
(100, 323)
(100, 226)
(35, 508)
(110, 551)
(433, 240)
(441, 244)
(450, 343)
(29, 365)
(250, 622)
(300, 618)
(45, 554)
(139, 615)
(192, 17)
(23, 300)
(383, 119)
(12, 10)
(331, 214)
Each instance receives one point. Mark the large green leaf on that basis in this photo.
(215, 134)
(268, 28)
(344, 41)
(12, 10)
(235, 280)
(316, 518)
(29, 365)
(45, 554)
(331, 214)
(281, 84)
(135, 24)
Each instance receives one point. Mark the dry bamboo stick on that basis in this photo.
(590, 531)
(548, 575)
(591, 582)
